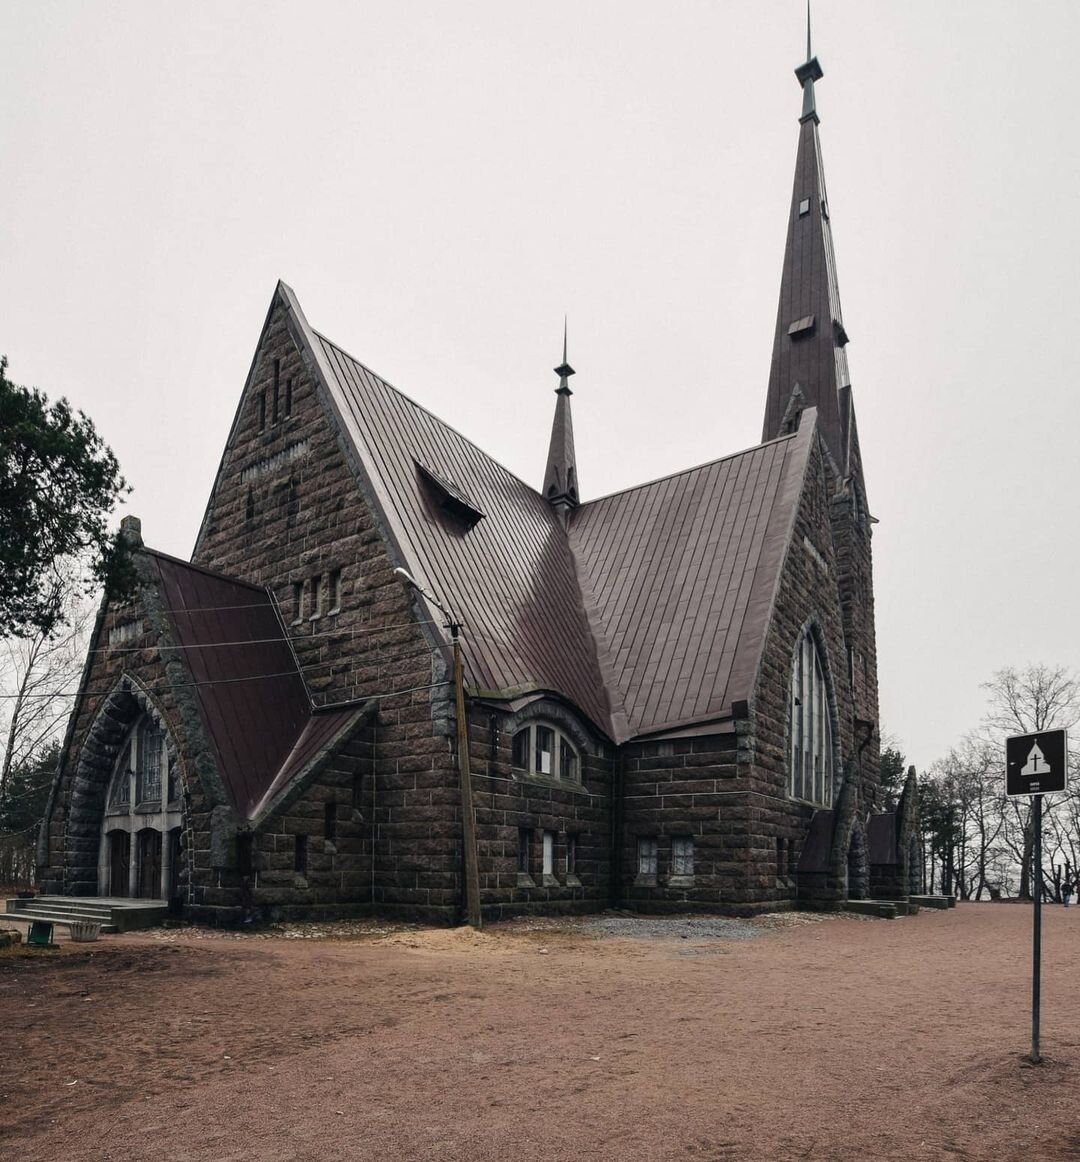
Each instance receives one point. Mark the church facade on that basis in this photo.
(669, 694)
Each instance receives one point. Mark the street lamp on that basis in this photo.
(468, 815)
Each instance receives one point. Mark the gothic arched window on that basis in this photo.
(543, 749)
(810, 741)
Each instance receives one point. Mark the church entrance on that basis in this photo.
(149, 864)
(119, 862)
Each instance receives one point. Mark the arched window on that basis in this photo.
(810, 737)
(542, 749)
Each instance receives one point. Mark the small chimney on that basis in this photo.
(131, 531)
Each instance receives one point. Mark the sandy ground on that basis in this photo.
(837, 1038)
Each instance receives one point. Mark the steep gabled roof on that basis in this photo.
(251, 694)
(648, 612)
(509, 577)
(680, 575)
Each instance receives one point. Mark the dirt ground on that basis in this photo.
(787, 1037)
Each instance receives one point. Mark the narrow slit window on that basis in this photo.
(334, 586)
(298, 602)
(316, 596)
(330, 821)
(288, 396)
(300, 854)
(549, 853)
(571, 855)
(262, 410)
(524, 843)
(277, 391)
(545, 750)
(520, 750)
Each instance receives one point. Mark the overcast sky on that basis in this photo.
(440, 182)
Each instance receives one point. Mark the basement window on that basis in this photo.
(647, 857)
(549, 853)
(571, 855)
(682, 855)
(524, 857)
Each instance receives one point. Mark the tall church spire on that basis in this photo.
(560, 478)
(808, 349)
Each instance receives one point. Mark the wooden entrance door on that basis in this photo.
(119, 861)
(149, 854)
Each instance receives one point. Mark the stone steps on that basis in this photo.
(114, 915)
(883, 909)
(935, 901)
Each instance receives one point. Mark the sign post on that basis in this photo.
(1036, 764)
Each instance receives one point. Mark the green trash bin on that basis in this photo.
(40, 934)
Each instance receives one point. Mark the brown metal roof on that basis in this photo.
(649, 614)
(253, 699)
(509, 577)
(679, 577)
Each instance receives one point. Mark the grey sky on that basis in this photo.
(440, 182)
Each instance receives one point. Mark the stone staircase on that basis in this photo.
(113, 914)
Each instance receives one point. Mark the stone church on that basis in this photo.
(669, 694)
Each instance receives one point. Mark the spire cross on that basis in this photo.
(564, 370)
(807, 73)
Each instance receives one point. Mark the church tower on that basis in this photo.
(810, 369)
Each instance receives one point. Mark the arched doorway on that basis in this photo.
(140, 831)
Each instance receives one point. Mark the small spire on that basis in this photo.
(807, 73)
(560, 476)
(564, 370)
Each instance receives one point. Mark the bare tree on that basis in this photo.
(38, 677)
(1037, 697)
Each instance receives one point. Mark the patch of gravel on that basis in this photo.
(696, 928)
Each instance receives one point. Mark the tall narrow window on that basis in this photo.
(300, 855)
(810, 741)
(277, 391)
(571, 855)
(149, 770)
(298, 602)
(288, 396)
(262, 410)
(330, 821)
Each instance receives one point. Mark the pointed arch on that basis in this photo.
(813, 750)
(95, 773)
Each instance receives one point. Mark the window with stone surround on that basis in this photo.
(316, 597)
(298, 602)
(334, 591)
(330, 821)
(810, 736)
(300, 854)
(524, 852)
(548, 867)
(647, 860)
(543, 749)
(571, 855)
(682, 855)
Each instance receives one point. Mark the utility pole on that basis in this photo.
(468, 815)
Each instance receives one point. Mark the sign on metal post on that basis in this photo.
(1036, 764)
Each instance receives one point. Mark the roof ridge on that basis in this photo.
(692, 468)
(427, 411)
(260, 589)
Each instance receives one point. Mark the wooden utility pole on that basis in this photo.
(468, 816)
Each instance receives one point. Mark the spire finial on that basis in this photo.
(564, 370)
(807, 73)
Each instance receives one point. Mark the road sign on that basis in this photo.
(1036, 764)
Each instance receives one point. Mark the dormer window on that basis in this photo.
(543, 749)
(449, 497)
